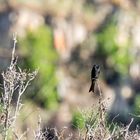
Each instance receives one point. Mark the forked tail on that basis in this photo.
(92, 87)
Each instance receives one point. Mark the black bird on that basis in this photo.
(94, 76)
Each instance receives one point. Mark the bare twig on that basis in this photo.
(127, 128)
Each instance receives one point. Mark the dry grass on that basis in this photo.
(16, 81)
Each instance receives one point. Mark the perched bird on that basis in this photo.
(94, 76)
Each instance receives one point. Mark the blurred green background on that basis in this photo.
(63, 39)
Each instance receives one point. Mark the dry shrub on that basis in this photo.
(15, 82)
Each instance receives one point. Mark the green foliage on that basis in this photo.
(116, 54)
(137, 105)
(106, 40)
(78, 120)
(1, 107)
(38, 47)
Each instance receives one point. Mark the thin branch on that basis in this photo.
(127, 129)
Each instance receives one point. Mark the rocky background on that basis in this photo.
(64, 38)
